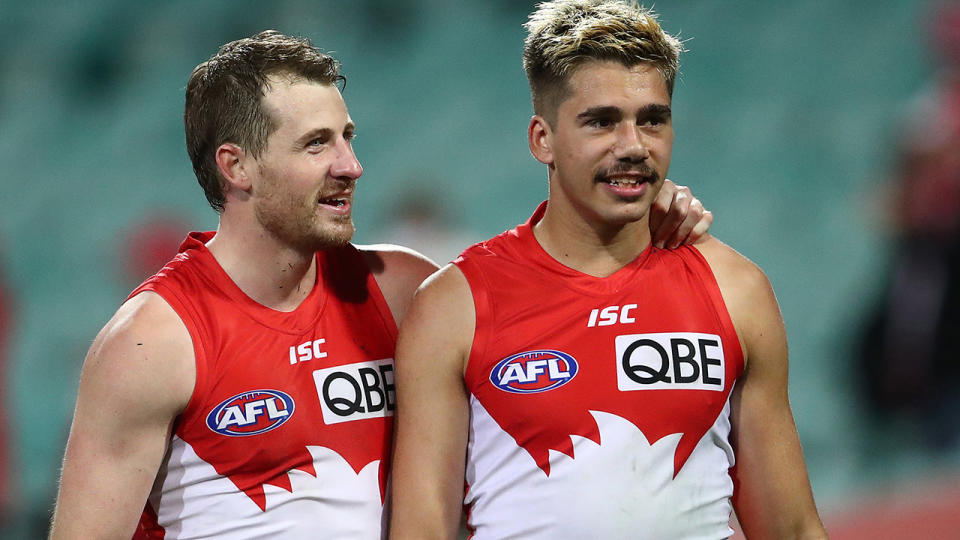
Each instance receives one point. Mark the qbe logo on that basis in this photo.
(534, 371)
(674, 360)
(356, 391)
(251, 413)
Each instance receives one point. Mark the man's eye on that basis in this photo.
(315, 143)
(600, 122)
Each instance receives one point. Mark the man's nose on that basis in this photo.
(631, 144)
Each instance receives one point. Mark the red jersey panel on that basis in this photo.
(287, 433)
(599, 406)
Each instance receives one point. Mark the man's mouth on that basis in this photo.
(336, 201)
(628, 178)
(337, 204)
(632, 181)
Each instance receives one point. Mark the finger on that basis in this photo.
(681, 235)
(700, 230)
(674, 217)
(661, 205)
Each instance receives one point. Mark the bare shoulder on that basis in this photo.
(144, 347)
(391, 257)
(731, 269)
(447, 287)
(398, 271)
(746, 291)
(740, 279)
(441, 318)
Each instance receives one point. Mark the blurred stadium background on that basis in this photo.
(787, 119)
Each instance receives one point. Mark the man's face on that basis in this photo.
(611, 142)
(304, 183)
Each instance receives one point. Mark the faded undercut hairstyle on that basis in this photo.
(563, 34)
(224, 96)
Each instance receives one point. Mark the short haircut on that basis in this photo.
(563, 34)
(224, 94)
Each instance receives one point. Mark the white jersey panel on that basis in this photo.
(623, 488)
(193, 501)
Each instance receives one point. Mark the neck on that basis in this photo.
(272, 274)
(594, 248)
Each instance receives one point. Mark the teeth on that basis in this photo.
(623, 181)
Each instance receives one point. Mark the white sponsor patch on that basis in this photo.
(672, 360)
(356, 391)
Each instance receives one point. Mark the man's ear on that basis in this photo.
(540, 139)
(231, 161)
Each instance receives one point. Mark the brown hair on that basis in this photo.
(565, 33)
(223, 102)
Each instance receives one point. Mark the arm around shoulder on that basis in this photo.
(138, 376)
(772, 497)
(432, 409)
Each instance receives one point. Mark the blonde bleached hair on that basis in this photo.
(563, 34)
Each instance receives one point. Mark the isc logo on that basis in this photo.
(611, 315)
(676, 360)
(534, 371)
(251, 413)
(307, 351)
(356, 391)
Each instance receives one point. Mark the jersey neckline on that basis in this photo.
(297, 321)
(570, 277)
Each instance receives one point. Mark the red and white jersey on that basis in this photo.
(599, 406)
(287, 433)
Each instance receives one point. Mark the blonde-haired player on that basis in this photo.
(567, 378)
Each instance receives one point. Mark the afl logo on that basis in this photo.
(534, 371)
(251, 413)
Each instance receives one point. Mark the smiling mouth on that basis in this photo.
(628, 178)
(334, 201)
(625, 182)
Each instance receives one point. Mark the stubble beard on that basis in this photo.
(300, 225)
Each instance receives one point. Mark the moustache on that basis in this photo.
(646, 172)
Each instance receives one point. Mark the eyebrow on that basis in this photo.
(593, 112)
(323, 133)
(655, 109)
(610, 110)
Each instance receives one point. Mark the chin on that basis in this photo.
(331, 240)
(627, 215)
(337, 235)
(320, 238)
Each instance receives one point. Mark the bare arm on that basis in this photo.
(137, 377)
(432, 410)
(773, 498)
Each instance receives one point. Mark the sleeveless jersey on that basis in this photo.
(287, 432)
(599, 406)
